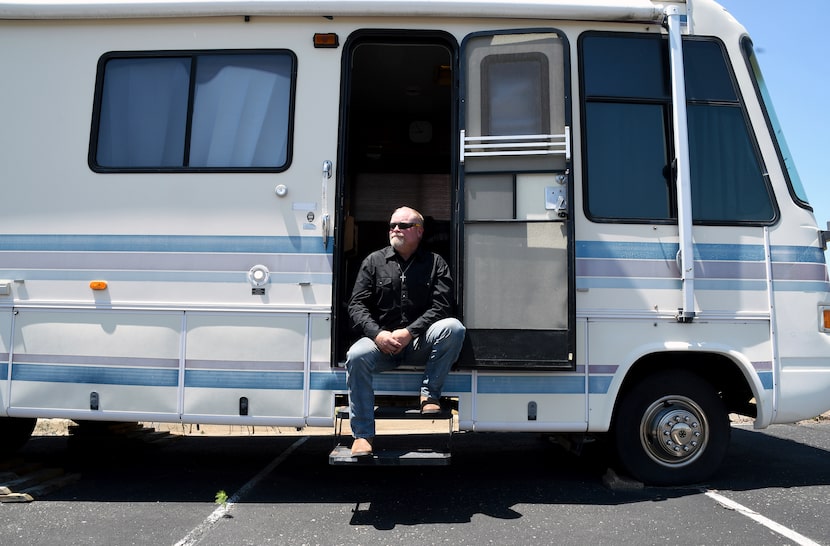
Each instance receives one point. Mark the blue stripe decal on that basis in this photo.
(313, 245)
(225, 379)
(145, 377)
(766, 380)
(626, 251)
(599, 384)
(162, 243)
(724, 267)
(531, 385)
(703, 252)
(4, 371)
(808, 254)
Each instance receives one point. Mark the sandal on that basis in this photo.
(430, 406)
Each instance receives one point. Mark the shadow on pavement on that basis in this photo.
(491, 474)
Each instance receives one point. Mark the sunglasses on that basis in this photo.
(401, 225)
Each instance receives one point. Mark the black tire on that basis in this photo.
(15, 432)
(672, 428)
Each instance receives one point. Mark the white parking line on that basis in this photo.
(197, 533)
(798, 538)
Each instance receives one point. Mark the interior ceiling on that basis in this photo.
(410, 78)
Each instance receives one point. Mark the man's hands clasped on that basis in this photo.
(394, 342)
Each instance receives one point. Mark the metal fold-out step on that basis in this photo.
(397, 449)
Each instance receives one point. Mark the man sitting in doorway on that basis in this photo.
(401, 303)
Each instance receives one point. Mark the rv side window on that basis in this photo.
(515, 94)
(628, 134)
(773, 124)
(193, 111)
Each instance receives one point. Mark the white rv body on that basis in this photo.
(220, 291)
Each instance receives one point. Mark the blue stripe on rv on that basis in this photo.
(554, 384)
(226, 379)
(49, 373)
(703, 252)
(314, 244)
(162, 243)
(634, 265)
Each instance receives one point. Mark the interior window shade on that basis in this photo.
(240, 112)
(143, 113)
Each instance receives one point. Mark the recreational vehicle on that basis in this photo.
(189, 188)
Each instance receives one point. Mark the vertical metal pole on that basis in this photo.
(773, 332)
(686, 313)
(182, 365)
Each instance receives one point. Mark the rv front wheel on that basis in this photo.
(15, 431)
(671, 428)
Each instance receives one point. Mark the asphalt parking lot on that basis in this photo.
(500, 488)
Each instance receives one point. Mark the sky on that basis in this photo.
(789, 43)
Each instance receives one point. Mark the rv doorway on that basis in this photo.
(397, 148)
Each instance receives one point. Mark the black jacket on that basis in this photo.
(380, 301)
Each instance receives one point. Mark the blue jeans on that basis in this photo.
(437, 349)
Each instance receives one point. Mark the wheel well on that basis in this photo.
(720, 371)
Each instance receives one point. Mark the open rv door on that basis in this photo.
(516, 275)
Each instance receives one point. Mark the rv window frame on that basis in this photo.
(739, 102)
(190, 54)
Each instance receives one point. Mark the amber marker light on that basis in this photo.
(825, 318)
(326, 40)
(98, 285)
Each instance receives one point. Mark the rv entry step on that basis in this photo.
(397, 449)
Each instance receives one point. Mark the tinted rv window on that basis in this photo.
(199, 111)
(515, 94)
(626, 108)
(628, 134)
(773, 124)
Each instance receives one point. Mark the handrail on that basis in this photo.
(515, 145)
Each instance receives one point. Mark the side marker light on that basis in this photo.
(824, 318)
(326, 40)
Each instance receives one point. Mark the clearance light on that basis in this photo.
(326, 40)
(824, 318)
(98, 285)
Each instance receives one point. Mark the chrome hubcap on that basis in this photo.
(674, 431)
